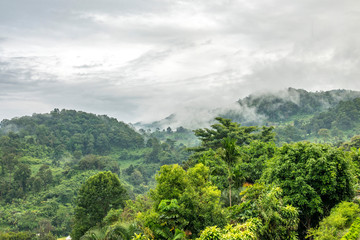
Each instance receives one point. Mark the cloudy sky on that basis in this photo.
(145, 59)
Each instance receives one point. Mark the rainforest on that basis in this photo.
(290, 173)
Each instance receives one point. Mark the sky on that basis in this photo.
(142, 60)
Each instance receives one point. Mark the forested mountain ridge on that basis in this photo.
(75, 131)
(296, 115)
(280, 106)
(267, 108)
(336, 124)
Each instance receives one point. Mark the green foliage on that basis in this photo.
(246, 231)
(334, 226)
(299, 115)
(353, 143)
(279, 221)
(51, 155)
(183, 200)
(230, 155)
(76, 131)
(212, 138)
(283, 105)
(253, 159)
(17, 236)
(95, 162)
(344, 116)
(114, 215)
(140, 236)
(115, 231)
(355, 156)
(22, 176)
(96, 197)
(233, 153)
(289, 133)
(133, 207)
(181, 135)
(314, 178)
(354, 231)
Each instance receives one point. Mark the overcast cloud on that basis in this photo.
(141, 60)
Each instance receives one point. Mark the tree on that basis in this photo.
(9, 146)
(324, 133)
(249, 230)
(253, 159)
(96, 197)
(230, 156)
(22, 176)
(334, 226)
(182, 201)
(314, 178)
(102, 143)
(266, 203)
(212, 138)
(153, 156)
(353, 143)
(45, 174)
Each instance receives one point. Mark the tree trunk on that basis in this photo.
(230, 181)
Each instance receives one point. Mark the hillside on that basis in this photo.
(77, 132)
(285, 104)
(44, 158)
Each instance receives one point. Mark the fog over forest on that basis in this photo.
(179, 119)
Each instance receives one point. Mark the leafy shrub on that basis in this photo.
(354, 231)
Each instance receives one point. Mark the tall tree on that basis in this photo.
(279, 220)
(230, 156)
(183, 201)
(22, 176)
(314, 178)
(243, 135)
(96, 197)
(10, 152)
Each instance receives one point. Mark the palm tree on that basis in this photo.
(230, 156)
(117, 231)
(96, 233)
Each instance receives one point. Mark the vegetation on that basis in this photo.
(97, 178)
(45, 158)
(314, 178)
(96, 197)
(337, 223)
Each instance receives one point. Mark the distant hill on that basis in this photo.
(268, 108)
(296, 113)
(282, 105)
(74, 131)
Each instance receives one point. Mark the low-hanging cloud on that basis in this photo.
(143, 60)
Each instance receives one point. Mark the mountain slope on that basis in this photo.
(75, 131)
(282, 105)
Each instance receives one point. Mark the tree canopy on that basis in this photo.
(96, 197)
(314, 178)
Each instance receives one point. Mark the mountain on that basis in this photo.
(75, 131)
(282, 105)
(268, 108)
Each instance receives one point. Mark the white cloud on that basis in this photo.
(145, 59)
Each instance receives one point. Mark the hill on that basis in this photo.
(44, 158)
(79, 132)
(287, 103)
